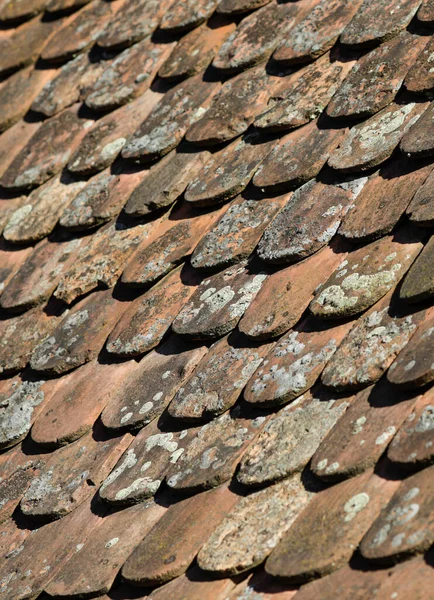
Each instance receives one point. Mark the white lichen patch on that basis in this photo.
(354, 505)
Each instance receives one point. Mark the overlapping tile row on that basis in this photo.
(216, 299)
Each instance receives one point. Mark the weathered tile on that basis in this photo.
(211, 456)
(425, 14)
(234, 107)
(47, 151)
(302, 97)
(79, 32)
(21, 10)
(13, 140)
(69, 415)
(344, 513)
(286, 295)
(297, 157)
(71, 84)
(295, 363)
(38, 215)
(373, 216)
(258, 34)
(194, 585)
(9, 203)
(93, 568)
(164, 128)
(24, 46)
(421, 208)
(135, 19)
(171, 546)
(142, 468)
(360, 437)
(417, 142)
(374, 81)
(11, 540)
(79, 336)
(419, 282)
(194, 52)
(371, 346)
(148, 318)
(37, 278)
(234, 237)
(413, 579)
(100, 262)
(182, 15)
(23, 333)
(317, 32)
(11, 260)
(420, 77)
(413, 444)
(228, 171)
(25, 86)
(22, 398)
(46, 551)
(165, 181)
(153, 260)
(371, 142)
(105, 140)
(236, 7)
(218, 303)
(413, 366)
(59, 6)
(308, 221)
(264, 587)
(405, 526)
(128, 76)
(366, 275)
(205, 394)
(379, 21)
(99, 200)
(290, 438)
(254, 527)
(70, 474)
(160, 373)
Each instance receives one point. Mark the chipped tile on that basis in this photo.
(371, 142)
(38, 215)
(363, 433)
(205, 394)
(79, 336)
(194, 52)
(105, 140)
(414, 366)
(47, 151)
(234, 107)
(37, 278)
(182, 15)
(371, 346)
(317, 32)
(419, 282)
(100, 262)
(79, 32)
(405, 525)
(70, 475)
(234, 237)
(128, 76)
(218, 303)
(420, 77)
(149, 317)
(160, 373)
(290, 438)
(375, 80)
(171, 546)
(295, 363)
(286, 295)
(372, 217)
(302, 97)
(307, 223)
(377, 22)
(254, 527)
(210, 456)
(92, 569)
(228, 171)
(345, 511)
(421, 208)
(165, 181)
(366, 275)
(297, 157)
(413, 444)
(166, 125)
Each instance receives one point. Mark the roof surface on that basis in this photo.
(216, 299)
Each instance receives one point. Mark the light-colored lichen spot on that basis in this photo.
(126, 417)
(112, 542)
(358, 425)
(128, 462)
(386, 435)
(146, 408)
(354, 505)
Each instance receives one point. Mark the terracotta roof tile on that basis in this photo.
(182, 15)
(425, 14)
(264, 586)
(419, 282)
(21, 10)
(236, 7)
(416, 141)
(9, 203)
(420, 78)
(11, 260)
(414, 579)
(13, 140)
(420, 209)
(194, 586)
(55, 6)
